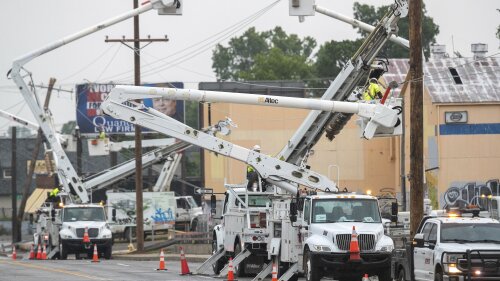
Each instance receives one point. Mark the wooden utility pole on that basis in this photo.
(36, 151)
(416, 118)
(138, 136)
(16, 236)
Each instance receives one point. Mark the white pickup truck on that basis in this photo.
(187, 213)
(451, 248)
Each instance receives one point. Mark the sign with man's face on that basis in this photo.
(91, 119)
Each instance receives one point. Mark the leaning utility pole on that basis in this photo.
(138, 136)
(36, 151)
(416, 118)
(16, 236)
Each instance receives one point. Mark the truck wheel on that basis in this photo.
(218, 265)
(239, 270)
(63, 253)
(311, 273)
(107, 252)
(401, 275)
(438, 276)
(385, 275)
(194, 224)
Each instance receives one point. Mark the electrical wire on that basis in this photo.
(88, 65)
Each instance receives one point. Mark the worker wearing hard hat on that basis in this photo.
(252, 175)
(373, 91)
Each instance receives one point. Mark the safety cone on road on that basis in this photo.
(230, 272)
(162, 261)
(365, 278)
(44, 252)
(14, 254)
(274, 273)
(354, 247)
(184, 264)
(86, 238)
(95, 256)
(32, 252)
(39, 252)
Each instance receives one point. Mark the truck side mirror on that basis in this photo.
(113, 214)
(53, 214)
(418, 240)
(293, 211)
(213, 204)
(394, 211)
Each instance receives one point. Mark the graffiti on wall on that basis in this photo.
(462, 194)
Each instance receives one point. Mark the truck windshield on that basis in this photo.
(255, 200)
(192, 203)
(345, 210)
(83, 214)
(470, 232)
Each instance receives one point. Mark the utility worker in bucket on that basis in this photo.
(373, 91)
(252, 175)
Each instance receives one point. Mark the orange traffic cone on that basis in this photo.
(274, 273)
(32, 252)
(230, 272)
(39, 252)
(44, 252)
(184, 264)
(14, 254)
(365, 278)
(95, 256)
(354, 247)
(86, 238)
(162, 261)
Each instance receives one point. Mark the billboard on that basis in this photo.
(91, 119)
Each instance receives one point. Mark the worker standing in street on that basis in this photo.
(252, 175)
(373, 91)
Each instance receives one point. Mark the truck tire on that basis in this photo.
(311, 273)
(438, 276)
(63, 253)
(239, 270)
(107, 252)
(218, 265)
(401, 275)
(194, 224)
(385, 275)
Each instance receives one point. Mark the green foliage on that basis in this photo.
(333, 55)
(68, 128)
(371, 15)
(267, 55)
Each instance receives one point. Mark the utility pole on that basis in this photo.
(138, 135)
(13, 177)
(416, 119)
(36, 151)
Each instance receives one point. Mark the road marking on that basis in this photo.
(54, 270)
(206, 277)
(122, 264)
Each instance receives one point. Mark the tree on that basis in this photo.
(370, 15)
(268, 55)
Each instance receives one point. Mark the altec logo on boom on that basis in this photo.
(267, 100)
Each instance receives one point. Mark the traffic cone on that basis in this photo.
(39, 252)
(32, 252)
(365, 278)
(354, 247)
(230, 273)
(274, 273)
(86, 238)
(44, 252)
(95, 257)
(162, 261)
(184, 264)
(14, 254)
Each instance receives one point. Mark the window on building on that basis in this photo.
(455, 76)
(7, 173)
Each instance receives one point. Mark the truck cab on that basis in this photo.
(326, 229)
(187, 213)
(75, 220)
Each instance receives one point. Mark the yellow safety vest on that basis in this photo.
(54, 192)
(371, 92)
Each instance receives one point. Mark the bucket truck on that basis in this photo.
(68, 177)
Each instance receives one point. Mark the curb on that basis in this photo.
(132, 257)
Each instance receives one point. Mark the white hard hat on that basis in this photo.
(256, 147)
(373, 80)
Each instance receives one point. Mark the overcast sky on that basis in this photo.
(27, 25)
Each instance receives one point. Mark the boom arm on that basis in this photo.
(352, 75)
(65, 170)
